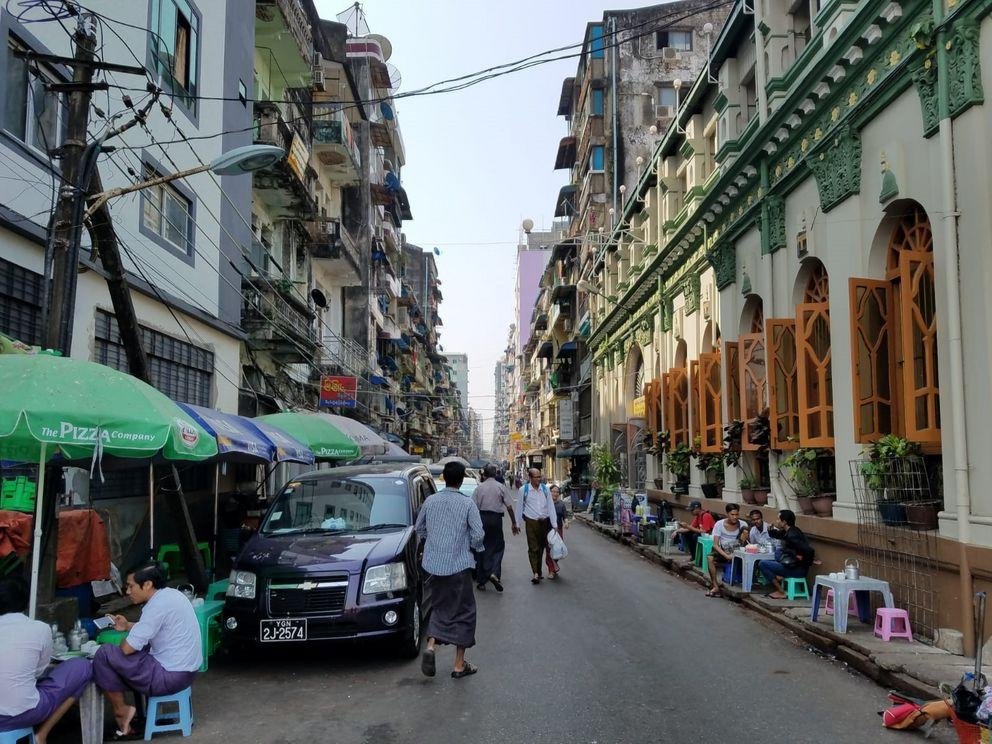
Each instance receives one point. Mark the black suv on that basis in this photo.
(336, 558)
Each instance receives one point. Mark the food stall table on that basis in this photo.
(205, 612)
(842, 587)
(748, 562)
(666, 537)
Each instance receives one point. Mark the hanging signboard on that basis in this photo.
(338, 392)
(638, 407)
(566, 430)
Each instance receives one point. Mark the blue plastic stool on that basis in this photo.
(731, 573)
(796, 589)
(16, 737)
(172, 721)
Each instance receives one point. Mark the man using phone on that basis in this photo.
(161, 653)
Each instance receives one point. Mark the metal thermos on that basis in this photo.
(852, 569)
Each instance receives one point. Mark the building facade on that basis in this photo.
(782, 290)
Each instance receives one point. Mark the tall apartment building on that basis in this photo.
(181, 242)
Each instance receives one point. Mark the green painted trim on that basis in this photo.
(686, 149)
(721, 102)
(783, 83)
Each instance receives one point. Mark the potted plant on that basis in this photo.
(604, 467)
(799, 469)
(748, 485)
(884, 469)
(677, 463)
(663, 441)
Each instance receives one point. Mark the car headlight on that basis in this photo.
(241, 584)
(388, 578)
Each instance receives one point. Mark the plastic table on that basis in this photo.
(91, 715)
(748, 562)
(862, 589)
(210, 609)
(666, 537)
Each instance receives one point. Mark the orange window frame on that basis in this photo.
(753, 382)
(733, 381)
(694, 400)
(710, 403)
(813, 350)
(783, 384)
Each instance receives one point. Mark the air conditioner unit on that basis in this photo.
(670, 54)
(318, 71)
(664, 112)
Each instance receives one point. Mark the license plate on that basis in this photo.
(293, 629)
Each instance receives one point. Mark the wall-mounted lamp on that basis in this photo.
(677, 84)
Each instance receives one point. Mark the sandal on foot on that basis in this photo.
(466, 671)
(714, 593)
(428, 664)
(535, 580)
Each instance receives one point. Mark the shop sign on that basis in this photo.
(338, 392)
(566, 430)
(638, 407)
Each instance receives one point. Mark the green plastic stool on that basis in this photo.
(704, 546)
(796, 589)
(169, 555)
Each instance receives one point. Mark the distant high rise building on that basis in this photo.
(532, 258)
(459, 374)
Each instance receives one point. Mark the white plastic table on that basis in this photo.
(748, 561)
(861, 588)
(91, 715)
(666, 536)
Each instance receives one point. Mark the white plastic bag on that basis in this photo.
(556, 546)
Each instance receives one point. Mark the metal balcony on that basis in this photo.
(334, 145)
(277, 320)
(283, 187)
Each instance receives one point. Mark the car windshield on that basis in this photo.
(468, 485)
(338, 505)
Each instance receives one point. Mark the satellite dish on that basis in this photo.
(394, 77)
(318, 297)
(384, 44)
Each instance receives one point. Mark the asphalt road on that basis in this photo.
(617, 650)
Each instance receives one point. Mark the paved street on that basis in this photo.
(616, 651)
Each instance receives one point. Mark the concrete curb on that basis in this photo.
(845, 648)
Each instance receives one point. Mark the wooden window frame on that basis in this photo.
(711, 397)
(752, 371)
(693, 401)
(733, 382)
(677, 406)
(779, 331)
(913, 266)
(868, 379)
(812, 368)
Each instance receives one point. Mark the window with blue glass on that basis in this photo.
(596, 42)
(596, 158)
(597, 102)
(175, 46)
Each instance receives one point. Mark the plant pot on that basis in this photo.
(922, 515)
(823, 505)
(893, 514)
(712, 490)
(747, 496)
(806, 505)
(659, 483)
(760, 497)
(681, 487)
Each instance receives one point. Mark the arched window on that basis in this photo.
(675, 391)
(815, 384)
(894, 338)
(753, 375)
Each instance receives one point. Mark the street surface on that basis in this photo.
(617, 650)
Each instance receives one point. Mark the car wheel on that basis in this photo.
(409, 643)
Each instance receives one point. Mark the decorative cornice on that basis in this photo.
(691, 289)
(723, 259)
(773, 223)
(964, 67)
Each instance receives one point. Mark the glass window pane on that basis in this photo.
(16, 106)
(151, 209)
(176, 215)
(597, 101)
(666, 96)
(45, 117)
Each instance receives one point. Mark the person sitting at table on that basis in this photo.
(728, 535)
(162, 651)
(31, 694)
(757, 533)
(796, 554)
(701, 524)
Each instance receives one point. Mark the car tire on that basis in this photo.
(408, 644)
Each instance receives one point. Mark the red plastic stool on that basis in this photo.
(828, 606)
(891, 622)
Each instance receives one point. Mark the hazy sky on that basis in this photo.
(479, 161)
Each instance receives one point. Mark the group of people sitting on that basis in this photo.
(160, 655)
(790, 551)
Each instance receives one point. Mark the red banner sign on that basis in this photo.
(336, 391)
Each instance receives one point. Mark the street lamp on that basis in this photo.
(586, 286)
(232, 163)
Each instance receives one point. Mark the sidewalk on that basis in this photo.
(912, 668)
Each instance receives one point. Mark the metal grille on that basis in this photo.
(20, 303)
(321, 600)
(897, 536)
(180, 370)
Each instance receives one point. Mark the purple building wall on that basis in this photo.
(530, 267)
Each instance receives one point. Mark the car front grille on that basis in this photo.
(314, 597)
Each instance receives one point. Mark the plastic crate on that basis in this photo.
(970, 733)
(18, 494)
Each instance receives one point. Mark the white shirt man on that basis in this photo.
(536, 512)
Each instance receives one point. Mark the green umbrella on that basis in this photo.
(52, 405)
(325, 440)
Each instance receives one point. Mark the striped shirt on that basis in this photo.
(450, 525)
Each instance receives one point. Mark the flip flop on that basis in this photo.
(469, 669)
(119, 735)
(535, 581)
(496, 583)
(714, 593)
(428, 664)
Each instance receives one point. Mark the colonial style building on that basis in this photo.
(801, 269)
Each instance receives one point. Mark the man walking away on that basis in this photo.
(492, 497)
(560, 514)
(451, 528)
(535, 507)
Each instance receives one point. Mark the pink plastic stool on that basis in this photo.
(828, 605)
(891, 622)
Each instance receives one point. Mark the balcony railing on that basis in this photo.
(344, 355)
(276, 322)
(334, 144)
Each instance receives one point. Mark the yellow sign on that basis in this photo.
(638, 407)
(298, 157)
(516, 436)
